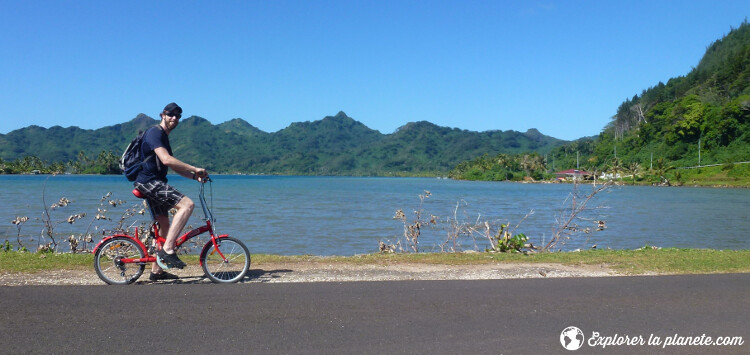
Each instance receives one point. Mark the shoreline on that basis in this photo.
(543, 182)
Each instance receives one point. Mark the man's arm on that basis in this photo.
(178, 166)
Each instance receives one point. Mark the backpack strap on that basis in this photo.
(153, 153)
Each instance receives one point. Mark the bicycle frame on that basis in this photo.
(159, 240)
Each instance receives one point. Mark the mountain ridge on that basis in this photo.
(334, 145)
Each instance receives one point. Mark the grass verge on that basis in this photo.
(630, 262)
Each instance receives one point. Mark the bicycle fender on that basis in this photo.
(108, 238)
(209, 244)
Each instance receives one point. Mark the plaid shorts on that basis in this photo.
(161, 197)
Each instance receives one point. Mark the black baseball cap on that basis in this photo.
(173, 108)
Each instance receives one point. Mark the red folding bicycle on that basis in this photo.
(121, 258)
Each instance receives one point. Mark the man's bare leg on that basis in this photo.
(163, 230)
(184, 210)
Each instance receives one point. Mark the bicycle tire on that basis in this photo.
(232, 269)
(110, 270)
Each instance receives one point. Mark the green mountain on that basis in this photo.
(241, 127)
(702, 118)
(63, 144)
(707, 108)
(335, 145)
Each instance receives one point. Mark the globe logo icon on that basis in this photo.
(571, 338)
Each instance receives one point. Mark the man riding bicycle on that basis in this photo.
(161, 197)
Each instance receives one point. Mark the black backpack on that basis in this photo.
(132, 160)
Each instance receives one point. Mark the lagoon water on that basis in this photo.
(349, 215)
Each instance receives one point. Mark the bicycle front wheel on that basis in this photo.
(226, 262)
(108, 261)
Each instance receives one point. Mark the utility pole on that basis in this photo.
(651, 167)
(578, 166)
(699, 152)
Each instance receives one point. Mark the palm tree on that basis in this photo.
(108, 163)
(502, 160)
(526, 164)
(615, 166)
(635, 169)
(661, 171)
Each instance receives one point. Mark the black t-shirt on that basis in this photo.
(153, 169)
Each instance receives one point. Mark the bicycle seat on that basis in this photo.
(138, 194)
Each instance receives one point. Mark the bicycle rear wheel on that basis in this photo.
(108, 265)
(230, 268)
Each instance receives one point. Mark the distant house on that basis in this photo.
(574, 174)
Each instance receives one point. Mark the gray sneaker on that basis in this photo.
(170, 260)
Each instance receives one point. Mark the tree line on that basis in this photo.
(335, 145)
(104, 163)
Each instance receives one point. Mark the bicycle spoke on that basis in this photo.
(107, 261)
(234, 264)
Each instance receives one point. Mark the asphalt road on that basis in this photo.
(426, 317)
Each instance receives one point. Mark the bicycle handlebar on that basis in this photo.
(202, 198)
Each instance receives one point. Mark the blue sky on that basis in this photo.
(562, 67)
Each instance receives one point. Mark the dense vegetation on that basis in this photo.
(336, 145)
(699, 119)
(502, 167)
(710, 106)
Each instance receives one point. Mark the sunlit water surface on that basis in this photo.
(349, 215)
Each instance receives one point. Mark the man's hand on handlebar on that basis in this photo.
(201, 175)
